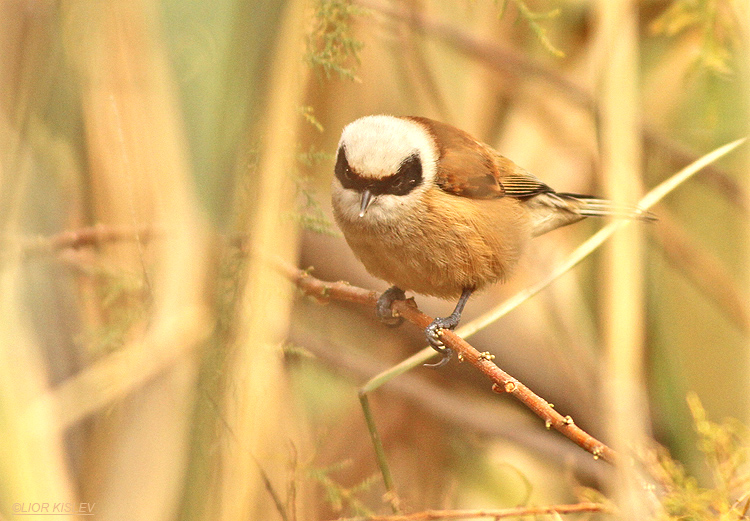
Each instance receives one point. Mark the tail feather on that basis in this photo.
(552, 210)
(590, 206)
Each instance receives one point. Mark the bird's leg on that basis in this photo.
(383, 307)
(435, 329)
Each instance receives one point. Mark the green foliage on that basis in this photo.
(310, 214)
(330, 44)
(316, 223)
(312, 157)
(124, 300)
(726, 448)
(713, 21)
(308, 113)
(294, 351)
(342, 499)
(532, 18)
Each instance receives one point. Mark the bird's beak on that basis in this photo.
(364, 202)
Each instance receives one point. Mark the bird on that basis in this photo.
(430, 209)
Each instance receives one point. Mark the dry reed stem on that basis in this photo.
(253, 401)
(139, 175)
(96, 235)
(742, 12)
(622, 311)
(33, 460)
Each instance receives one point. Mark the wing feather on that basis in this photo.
(516, 181)
(469, 168)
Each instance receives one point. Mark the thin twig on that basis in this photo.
(379, 452)
(481, 414)
(277, 501)
(434, 515)
(127, 172)
(86, 236)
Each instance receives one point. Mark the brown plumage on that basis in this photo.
(448, 244)
(430, 209)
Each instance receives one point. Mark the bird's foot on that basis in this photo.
(383, 309)
(434, 332)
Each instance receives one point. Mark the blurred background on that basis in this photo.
(160, 159)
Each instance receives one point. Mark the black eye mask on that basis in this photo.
(406, 179)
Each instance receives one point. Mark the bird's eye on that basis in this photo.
(343, 171)
(408, 177)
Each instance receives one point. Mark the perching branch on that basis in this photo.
(502, 382)
(482, 414)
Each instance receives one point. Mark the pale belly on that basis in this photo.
(436, 256)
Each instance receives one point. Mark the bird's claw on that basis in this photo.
(384, 310)
(434, 332)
